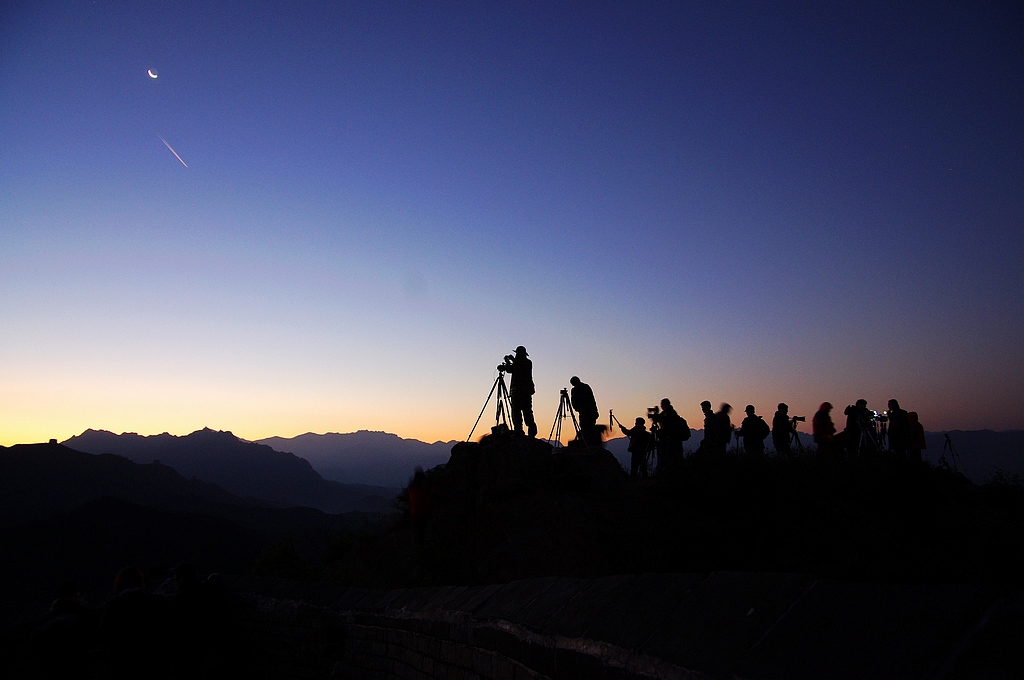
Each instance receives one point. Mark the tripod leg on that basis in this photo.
(484, 408)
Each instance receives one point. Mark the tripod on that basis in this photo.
(794, 436)
(504, 410)
(646, 469)
(953, 456)
(564, 411)
(867, 435)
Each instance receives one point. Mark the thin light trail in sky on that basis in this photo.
(172, 150)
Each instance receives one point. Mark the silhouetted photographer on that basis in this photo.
(824, 429)
(639, 438)
(581, 397)
(783, 430)
(753, 431)
(672, 432)
(724, 428)
(709, 444)
(520, 369)
(899, 429)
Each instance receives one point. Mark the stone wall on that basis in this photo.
(690, 626)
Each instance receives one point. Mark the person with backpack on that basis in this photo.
(754, 431)
(672, 432)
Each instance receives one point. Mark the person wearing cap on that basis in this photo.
(521, 392)
(782, 430)
(754, 431)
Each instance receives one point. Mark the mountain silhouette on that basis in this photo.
(37, 480)
(364, 456)
(69, 514)
(244, 468)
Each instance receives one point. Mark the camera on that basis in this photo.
(653, 411)
(507, 365)
(799, 419)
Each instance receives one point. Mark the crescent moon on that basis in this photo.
(152, 73)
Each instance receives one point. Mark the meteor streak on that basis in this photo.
(172, 150)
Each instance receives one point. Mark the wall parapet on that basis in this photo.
(629, 627)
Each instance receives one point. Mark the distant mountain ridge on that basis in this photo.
(370, 457)
(39, 479)
(247, 469)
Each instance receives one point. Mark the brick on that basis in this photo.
(523, 673)
(464, 656)
(482, 663)
(573, 665)
(539, 658)
(503, 669)
(437, 629)
(499, 641)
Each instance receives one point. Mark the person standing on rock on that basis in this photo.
(521, 392)
(672, 432)
(725, 429)
(639, 438)
(583, 402)
(824, 429)
(782, 430)
(899, 429)
(754, 431)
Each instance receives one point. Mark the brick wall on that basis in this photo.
(630, 627)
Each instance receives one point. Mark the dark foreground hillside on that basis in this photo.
(505, 510)
(553, 561)
(65, 514)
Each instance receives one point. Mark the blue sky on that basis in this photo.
(727, 201)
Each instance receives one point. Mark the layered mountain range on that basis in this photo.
(368, 457)
(246, 469)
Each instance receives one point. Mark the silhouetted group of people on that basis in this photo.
(173, 631)
(895, 430)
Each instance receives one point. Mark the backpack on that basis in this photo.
(684, 429)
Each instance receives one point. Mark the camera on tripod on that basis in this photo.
(506, 365)
(880, 417)
(653, 411)
(799, 419)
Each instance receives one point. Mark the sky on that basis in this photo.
(374, 202)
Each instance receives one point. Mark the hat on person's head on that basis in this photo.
(521, 350)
